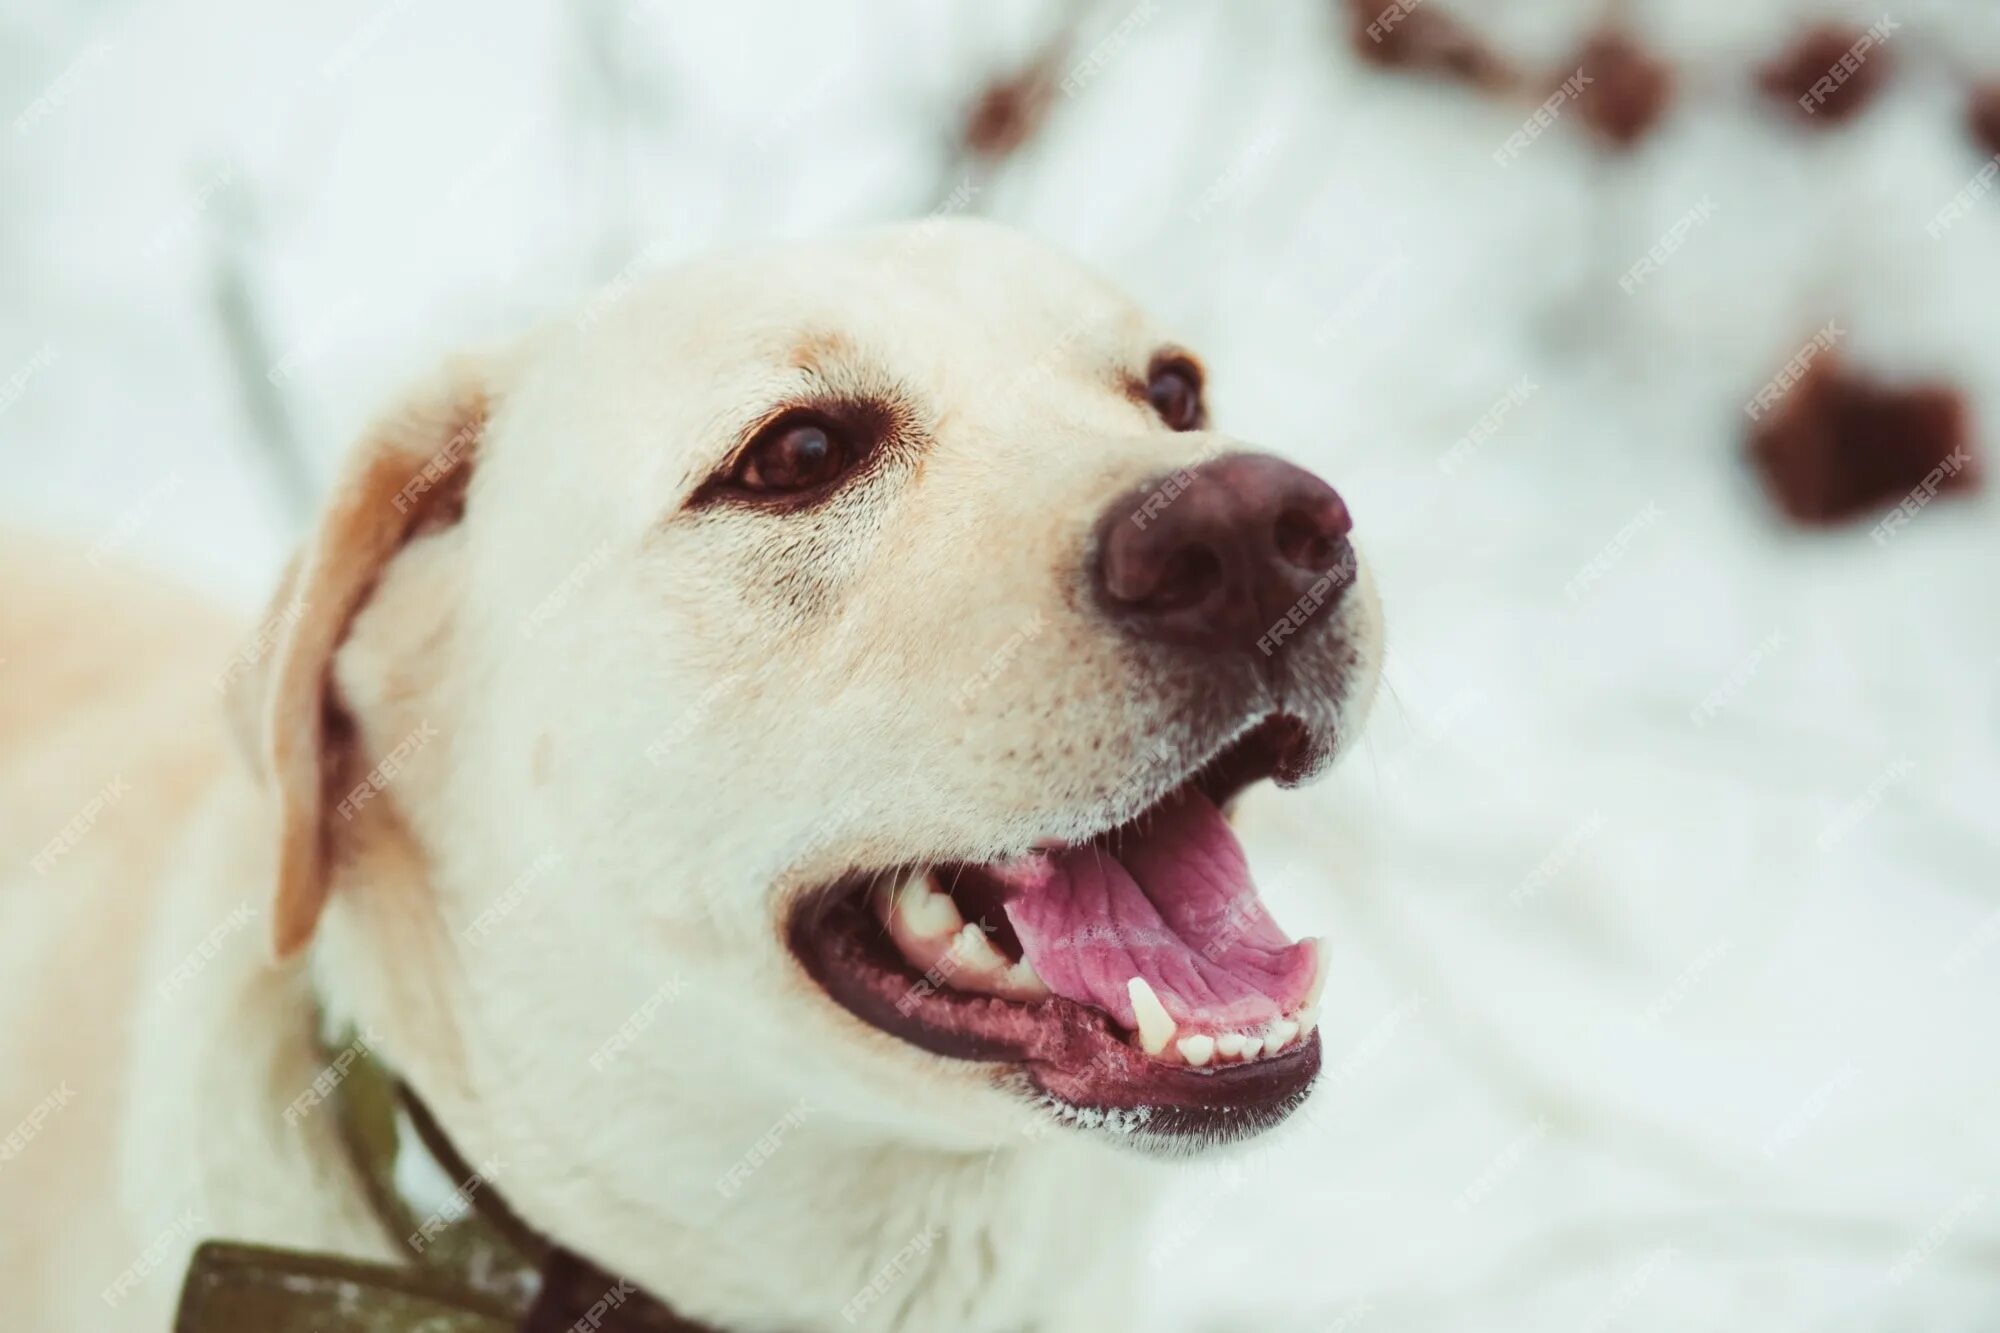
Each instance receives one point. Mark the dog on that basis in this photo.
(751, 757)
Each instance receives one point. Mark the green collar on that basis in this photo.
(477, 1267)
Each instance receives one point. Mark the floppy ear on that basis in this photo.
(408, 475)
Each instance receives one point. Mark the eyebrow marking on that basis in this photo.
(816, 349)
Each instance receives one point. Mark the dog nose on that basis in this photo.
(1233, 554)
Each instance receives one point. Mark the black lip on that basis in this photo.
(1281, 748)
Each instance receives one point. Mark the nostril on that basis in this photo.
(1185, 580)
(1313, 536)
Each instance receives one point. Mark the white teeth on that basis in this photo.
(1025, 980)
(1229, 1044)
(1319, 976)
(1281, 1031)
(1252, 1047)
(1196, 1050)
(1308, 1020)
(930, 915)
(1156, 1027)
(972, 949)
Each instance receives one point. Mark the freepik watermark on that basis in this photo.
(1920, 495)
(151, 1258)
(1614, 1311)
(1739, 676)
(891, 1272)
(942, 971)
(559, 596)
(455, 1207)
(1808, 1112)
(609, 296)
(1168, 491)
(664, 746)
(510, 898)
(1489, 423)
(380, 776)
(1545, 115)
(1225, 186)
(1323, 589)
(1558, 859)
(440, 464)
(640, 1019)
(1503, 1165)
(1345, 308)
(731, 1182)
(1794, 370)
(1934, 1238)
(978, 682)
(1666, 247)
(330, 1076)
(80, 824)
(260, 646)
(1961, 203)
(25, 374)
(202, 954)
(1847, 66)
(1086, 70)
(60, 89)
(614, 1296)
(1852, 814)
(1599, 566)
(1683, 985)
(31, 1124)
(336, 326)
(107, 548)
(1390, 19)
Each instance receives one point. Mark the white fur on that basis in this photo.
(638, 743)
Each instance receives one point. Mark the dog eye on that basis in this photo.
(1174, 390)
(795, 455)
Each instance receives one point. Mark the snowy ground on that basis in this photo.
(1664, 890)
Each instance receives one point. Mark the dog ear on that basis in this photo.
(407, 476)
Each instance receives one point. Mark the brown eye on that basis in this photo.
(793, 456)
(1174, 390)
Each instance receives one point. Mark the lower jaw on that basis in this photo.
(1069, 1058)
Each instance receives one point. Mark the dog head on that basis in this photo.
(806, 685)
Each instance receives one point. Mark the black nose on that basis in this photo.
(1238, 554)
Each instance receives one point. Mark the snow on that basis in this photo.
(1662, 893)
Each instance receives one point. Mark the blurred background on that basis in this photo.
(1654, 345)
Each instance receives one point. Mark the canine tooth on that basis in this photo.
(1229, 1044)
(1196, 1050)
(1156, 1026)
(1252, 1047)
(1319, 977)
(929, 914)
(1308, 1020)
(1281, 1031)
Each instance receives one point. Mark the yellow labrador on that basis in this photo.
(751, 757)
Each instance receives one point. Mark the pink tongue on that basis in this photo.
(1170, 901)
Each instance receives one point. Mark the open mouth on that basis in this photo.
(1135, 979)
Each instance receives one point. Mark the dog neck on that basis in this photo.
(464, 1223)
(828, 1232)
(843, 1227)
